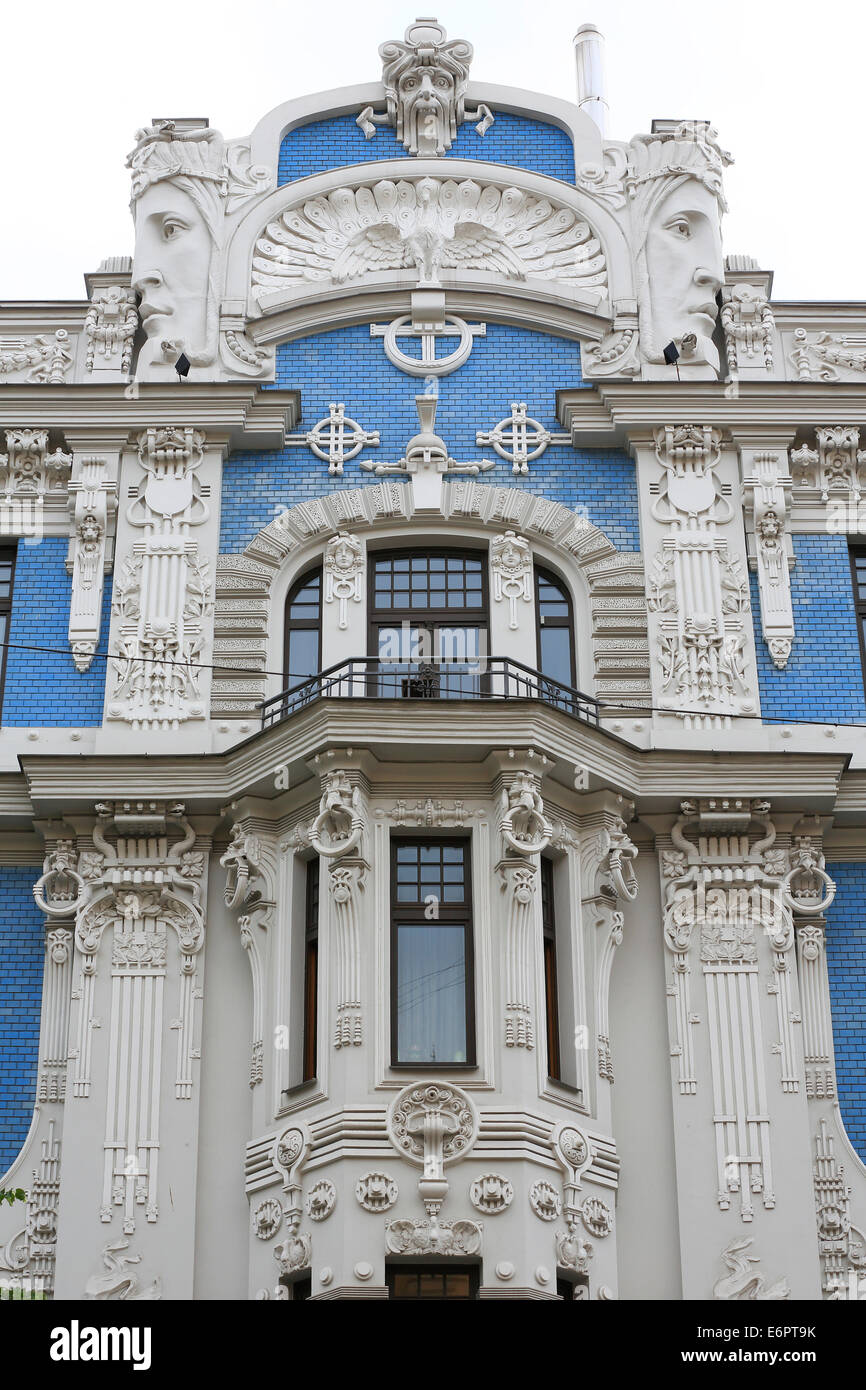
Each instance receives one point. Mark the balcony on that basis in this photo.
(369, 678)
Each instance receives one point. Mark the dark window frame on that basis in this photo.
(302, 624)
(439, 1268)
(8, 555)
(449, 913)
(550, 577)
(551, 969)
(856, 552)
(311, 969)
(424, 617)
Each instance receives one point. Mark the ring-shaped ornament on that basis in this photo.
(69, 908)
(540, 840)
(335, 849)
(417, 366)
(795, 904)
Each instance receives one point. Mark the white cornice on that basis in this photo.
(399, 732)
(240, 412)
(612, 412)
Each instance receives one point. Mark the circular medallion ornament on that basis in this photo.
(545, 1200)
(491, 1193)
(419, 1110)
(376, 1192)
(573, 1147)
(321, 1200)
(596, 1217)
(267, 1219)
(288, 1149)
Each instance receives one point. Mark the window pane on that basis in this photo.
(556, 653)
(303, 654)
(431, 993)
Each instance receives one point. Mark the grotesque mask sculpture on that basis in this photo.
(674, 183)
(425, 81)
(178, 190)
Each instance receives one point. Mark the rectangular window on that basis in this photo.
(311, 969)
(7, 577)
(434, 1281)
(858, 577)
(551, 994)
(432, 1021)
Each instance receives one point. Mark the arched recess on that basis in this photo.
(320, 291)
(251, 587)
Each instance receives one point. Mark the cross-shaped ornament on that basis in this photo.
(328, 438)
(519, 439)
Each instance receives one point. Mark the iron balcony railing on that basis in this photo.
(370, 678)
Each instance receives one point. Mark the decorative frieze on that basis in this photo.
(425, 79)
(432, 1237)
(827, 356)
(162, 594)
(838, 465)
(743, 1280)
(42, 359)
(28, 469)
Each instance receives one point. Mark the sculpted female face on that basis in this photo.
(684, 264)
(170, 271)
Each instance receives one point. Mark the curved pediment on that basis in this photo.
(420, 223)
(427, 225)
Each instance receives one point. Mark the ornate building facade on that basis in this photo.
(433, 815)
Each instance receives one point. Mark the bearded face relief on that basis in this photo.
(171, 271)
(685, 269)
(427, 98)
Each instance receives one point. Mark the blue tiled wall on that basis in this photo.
(509, 364)
(823, 679)
(22, 950)
(337, 141)
(43, 687)
(846, 962)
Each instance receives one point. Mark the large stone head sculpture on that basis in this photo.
(425, 85)
(674, 186)
(179, 183)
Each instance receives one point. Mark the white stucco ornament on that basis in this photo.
(430, 225)
(425, 79)
(673, 182)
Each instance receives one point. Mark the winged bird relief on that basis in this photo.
(428, 225)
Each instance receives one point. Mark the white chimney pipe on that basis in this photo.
(588, 53)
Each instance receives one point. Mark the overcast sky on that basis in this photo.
(782, 80)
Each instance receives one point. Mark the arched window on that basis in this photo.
(303, 640)
(555, 628)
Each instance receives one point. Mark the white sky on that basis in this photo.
(781, 79)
